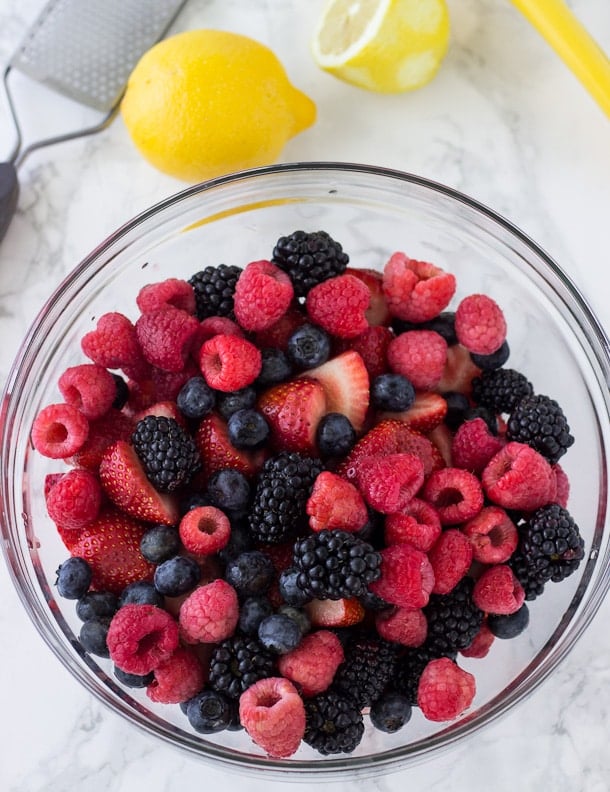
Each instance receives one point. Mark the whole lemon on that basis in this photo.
(208, 102)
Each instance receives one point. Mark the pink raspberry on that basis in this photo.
(492, 534)
(166, 337)
(372, 346)
(263, 294)
(278, 334)
(216, 325)
(451, 557)
(416, 291)
(474, 445)
(177, 679)
(173, 291)
(59, 431)
(518, 477)
(335, 503)
(88, 387)
(103, 433)
(229, 362)
(405, 626)
(418, 523)
(339, 306)
(141, 637)
(481, 643)
(480, 325)
(456, 494)
(406, 579)
(273, 714)
(445, 690)
(204, 530)
(114, 345)
(312, 665)
(210, 613)
(74, 500)
(388, 483)
(420, 356)
(166, 385)
(498, 591)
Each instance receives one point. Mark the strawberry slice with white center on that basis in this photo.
(217, 451)
(427, 412)
(334, 613)
(346, 384)
(378, 312)
(293, 411)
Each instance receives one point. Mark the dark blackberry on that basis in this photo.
(533, 576)
(409, 668)
(333, 723)
(214, 289)
(309, 259)
(501, 389)
(539, 421)
(368, 667)
(237, 663)
(335, 564)
(453, 620)
(168, 454)
(283, 487)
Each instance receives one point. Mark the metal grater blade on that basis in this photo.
(87, 49)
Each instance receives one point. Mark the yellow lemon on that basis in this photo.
(387, 46)
(207, 102)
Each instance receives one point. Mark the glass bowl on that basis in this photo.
(554, 339)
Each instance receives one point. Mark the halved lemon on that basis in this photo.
(388, 46)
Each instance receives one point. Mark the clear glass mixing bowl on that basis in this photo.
(554, 338)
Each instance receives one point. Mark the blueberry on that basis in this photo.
(308, 346)
(92, 636)
(279, 633)
(209, 712)
(160, 543)
(228, 489)
(73, 578)
(391, 712)
(443, 324)
(457, 405)
(247, 429)
(509, 626)
(335, 435)
(229, 403)
(275, 367)
(133, 680)
(97, 605)
(289, 591)
(195, 399)
(239, 542)
(176, 576)
(253, 610)
(392, 392)
(122, 392)
(250, 573)
(297, 615)
(494, 361)
(141, 593)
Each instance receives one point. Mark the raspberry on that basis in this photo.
(498, 591)
(166, 337)
(481, 643)
(141, 637)
(335, 503)
(59, 431)
(372, 346)
(492, 534)
(114, 345)
(389, 483)
(339, 305)
(278, 334)
(177, 679)
(229, 363)
(479, 324)
(416, 291)
(103, 433)
(90, 388)
(420, 356)
(455, 494)
(75, 499)
(312, 665)
(562, 490)
(210, 613)
(406, 577)
(263, 294)
(405, 626)
(418, 523)
(215, 325)
(204, 530)
(273, 714)
(518, 477)
(450, 557)
(172, 291)
(445, 690)
(474, 445)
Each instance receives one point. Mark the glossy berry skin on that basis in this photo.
(392, 392)
(133, 680)
(308, 346)
(289, 590)
(97, 605)
(457, 406)
(252, 612)
(492, 361)
(160, 543)
(195, 399)
(247, 429)
(73, 578)
(390, 712)
(335, 435)
(228, 489)
(229, 403)
(92, 637)
(176, 576)
(141, 593)
(275, 367)
(509, 626)
(250, 573)
(209, 712)
(279, 633)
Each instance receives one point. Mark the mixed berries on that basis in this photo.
(299, 491)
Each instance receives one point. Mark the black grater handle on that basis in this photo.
(9, 190)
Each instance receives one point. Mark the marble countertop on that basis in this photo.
(505, 122)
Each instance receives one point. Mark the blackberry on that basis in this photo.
(309, 259)
(368, 667)
(333, 723)
(539, 421)
(282, 489)
(501, 389)
(238, 662)
(214, 289)
(409, 668)
(335, 564)
(453, 620)
(533, 576)
(168, 454)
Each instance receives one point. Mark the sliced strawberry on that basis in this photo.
(427, 411)
(103, 433)
(377, 312)
(293, 411)
(372, 346)
(217, 452)
(162, 409)
(442, 438)
(123, 480)
(346, 384)
(334, 613)
(459, 371)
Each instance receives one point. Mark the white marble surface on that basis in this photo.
(505, 122)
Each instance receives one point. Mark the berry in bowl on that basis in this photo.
(306, 469)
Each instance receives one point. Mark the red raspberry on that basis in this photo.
(273, 714)
(204, 530)
(59, 431)
(166, 337)
(420, 356)
(377, 313)
(406, 578)
(177, 679)
(88, 387)
(405, 626)
(372, 346)
(498, 591)
(312, 665)
(114, 345)
(263, 294)
(481, 643)
(103, 433)
(173, 291)
(50, 480)
(389, 483)
(492, 534)
(339, 306)
(216, 325)
(445, 690)
(451, 557)
(75, 500)
(229, 362)
(167, 384)
(210, 613)
(480, 325)
(335, 503)
(474, 445)
(562, 486)
(518, 477)
(455, 494)
(416, 290)
(278, 334)
(418, 523)
(141, 637)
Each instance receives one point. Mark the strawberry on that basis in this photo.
(162, 409)
(103, 433)
(427, 412)
(459, 371)
(123, 480)
(372, 346)
(334, 613)
(293, 410)
(217, 452)
(346, 384)
(442, 438)
(377, 313)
